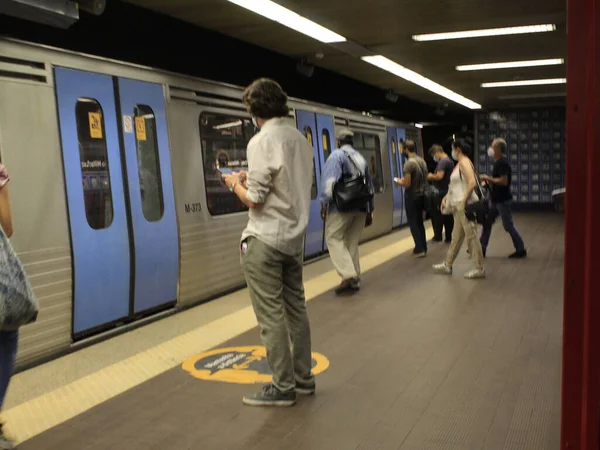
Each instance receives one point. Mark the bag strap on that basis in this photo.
(476, 179)
(349, 156)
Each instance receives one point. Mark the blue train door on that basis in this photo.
(327, 145)
(95, 196)
(401, 136)
(313, 245)
(396, 173)
(151, 197)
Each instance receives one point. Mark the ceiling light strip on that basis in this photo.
(522, 96)
(524, 83)
(484, 33)
(512, 64)
(290, 19)
(390, 66)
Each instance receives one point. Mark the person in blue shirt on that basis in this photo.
(343, 229)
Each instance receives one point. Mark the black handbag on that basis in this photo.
(478, 211)
(352, 193)
(432, 195)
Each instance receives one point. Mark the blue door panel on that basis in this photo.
(397, 189)
(314, 233)
(324, 122)
(155, 237)
(401, 134)
(101, 259)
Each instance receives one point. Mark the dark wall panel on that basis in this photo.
(536, 149)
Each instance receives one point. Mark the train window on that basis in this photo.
(326, 143)
(309, 135)
(224, 142)
(148, 163)
(394, 161)
(93, 154)
(368, 145)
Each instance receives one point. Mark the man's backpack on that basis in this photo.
(352, 193)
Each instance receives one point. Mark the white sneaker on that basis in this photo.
(442, 269)
(475, 274)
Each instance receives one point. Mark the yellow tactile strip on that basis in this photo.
(49, 410)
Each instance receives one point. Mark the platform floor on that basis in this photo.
(417, 361)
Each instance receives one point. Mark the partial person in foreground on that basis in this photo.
(277, 189)
(344, 228)
(9, 339)
(501, 197)
(460, 194)
(414, 183)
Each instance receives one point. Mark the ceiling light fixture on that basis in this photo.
(524, 83)
(484, 33)
(390, 66)
(512, 64)
(290, 19)
(521, 96)
(418, 125)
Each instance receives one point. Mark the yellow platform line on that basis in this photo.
(53, 408)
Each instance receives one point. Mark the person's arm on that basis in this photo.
(407, 170)
(466, 169)
(502, 179)
(5, 212)
(438, 175)
(258, 178)
(332, 173)
(371, 188)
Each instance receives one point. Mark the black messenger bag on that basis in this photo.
(352, 193)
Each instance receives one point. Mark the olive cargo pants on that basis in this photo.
(276, 288)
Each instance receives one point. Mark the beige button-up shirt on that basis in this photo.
(280, 176)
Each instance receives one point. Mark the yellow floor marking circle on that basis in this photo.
(239, 365)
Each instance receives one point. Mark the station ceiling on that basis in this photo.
(386, 27)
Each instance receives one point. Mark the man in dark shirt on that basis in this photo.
(441, 181)
(415, 182)
(501, 198)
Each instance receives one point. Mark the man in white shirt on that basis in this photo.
(277, 189)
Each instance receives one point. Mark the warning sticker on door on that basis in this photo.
(95, 125)
(127, 124)
(140, 128)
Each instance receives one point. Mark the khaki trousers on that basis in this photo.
(464, 228)
(342, 233)
(276, 290)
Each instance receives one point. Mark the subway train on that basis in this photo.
(119, 213)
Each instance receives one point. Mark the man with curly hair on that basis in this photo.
(277, 189)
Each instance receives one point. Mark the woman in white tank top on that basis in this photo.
(460, 193)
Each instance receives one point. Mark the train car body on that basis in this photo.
(118, 209)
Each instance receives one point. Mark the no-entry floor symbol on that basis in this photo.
(240, 365)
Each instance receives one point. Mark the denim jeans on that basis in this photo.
(414, 214)
(503, 210)
(8, 354)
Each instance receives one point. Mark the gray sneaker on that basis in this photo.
(305, 390)
(6, 442)
(269, 395)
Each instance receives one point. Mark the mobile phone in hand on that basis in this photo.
(225, 170)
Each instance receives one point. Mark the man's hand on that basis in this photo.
(229, 179)
(486, 178)
(430, 176)
(243, 178)
(324, 209)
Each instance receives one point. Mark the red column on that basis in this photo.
(581, 321)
